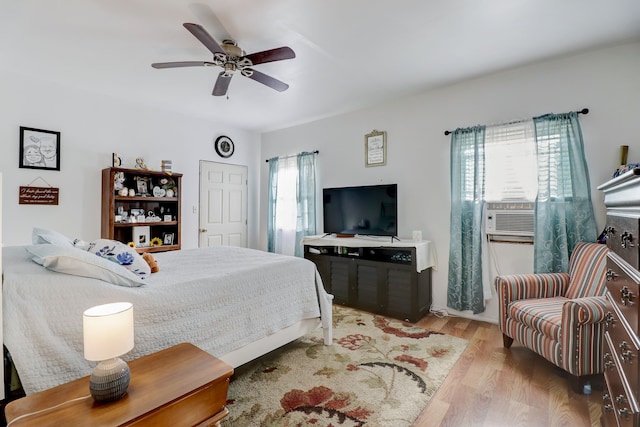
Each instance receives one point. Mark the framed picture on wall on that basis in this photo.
(39, 149)
(375, 149)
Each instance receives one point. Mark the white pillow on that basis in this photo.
(118, 253)
(74, 261)
(41, 236)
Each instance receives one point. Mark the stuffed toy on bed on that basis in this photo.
(151, 261)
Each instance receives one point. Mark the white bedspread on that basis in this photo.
(218, 298)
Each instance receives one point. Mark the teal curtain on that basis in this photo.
(305, 199)
(465, 286)
(273, 199)
(563, 211)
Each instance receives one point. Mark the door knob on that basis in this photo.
(203, 230)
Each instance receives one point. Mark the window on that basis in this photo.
(286, 213)
(511, 166)
(292, 202)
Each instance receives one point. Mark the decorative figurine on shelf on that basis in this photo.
(158, 192)
(118, 181)
(140, 163)
(132, 192)
(116, 161)
(166, 166)
(124, 191)
(169, 185)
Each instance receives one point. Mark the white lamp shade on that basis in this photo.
(107, 331)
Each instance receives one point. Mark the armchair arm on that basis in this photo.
(584, 311)
(525, 286)
(583, 326)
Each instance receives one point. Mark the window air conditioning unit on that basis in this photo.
(510, 219)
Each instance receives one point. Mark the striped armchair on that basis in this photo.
(559, 315)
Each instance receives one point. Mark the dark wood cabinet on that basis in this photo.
(154, 202)
(620, 404)
(381, 280)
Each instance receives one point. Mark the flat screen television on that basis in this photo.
(367, 210)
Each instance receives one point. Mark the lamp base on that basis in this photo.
(109, 380)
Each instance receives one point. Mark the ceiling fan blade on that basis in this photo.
(277, 54)
(205, 38)
(267, 80)
(222, 84)
(179, 64)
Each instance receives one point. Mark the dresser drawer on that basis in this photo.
(624, 346)
(623, 284)
(623, 234)
(608, 411)
(624, 403)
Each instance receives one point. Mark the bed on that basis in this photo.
(234, 303)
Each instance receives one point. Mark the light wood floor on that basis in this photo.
(491, 386)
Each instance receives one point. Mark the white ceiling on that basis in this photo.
(349, 53)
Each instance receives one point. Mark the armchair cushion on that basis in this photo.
(542, 315)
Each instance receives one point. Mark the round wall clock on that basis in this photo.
(224, 146)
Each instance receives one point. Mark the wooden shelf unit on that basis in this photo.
(161, 206)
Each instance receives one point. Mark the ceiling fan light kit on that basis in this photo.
(232, 58)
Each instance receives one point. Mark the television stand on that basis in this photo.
(382, 277)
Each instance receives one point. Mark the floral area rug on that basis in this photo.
(378, 372)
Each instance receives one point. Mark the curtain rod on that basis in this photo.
(292, 155)
(583, 111)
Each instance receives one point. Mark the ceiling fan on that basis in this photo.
(231, 58)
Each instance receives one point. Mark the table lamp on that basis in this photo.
(108, 334)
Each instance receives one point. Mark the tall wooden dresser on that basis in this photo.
(620, 406)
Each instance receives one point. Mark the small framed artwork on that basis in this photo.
(39, 149)
(168, 218)
(141, 236)
(167, 238)
(142, 185)
(375, 149)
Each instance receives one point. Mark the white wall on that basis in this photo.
(605, 81)
(92, 127)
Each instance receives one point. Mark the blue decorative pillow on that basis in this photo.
(120, 254)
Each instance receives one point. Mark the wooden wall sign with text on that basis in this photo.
(38, 195)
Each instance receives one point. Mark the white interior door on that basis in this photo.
(223, 205)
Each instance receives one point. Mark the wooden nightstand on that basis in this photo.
(179, 386)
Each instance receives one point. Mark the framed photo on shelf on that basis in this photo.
(167, 238)
(375, 149)
(142, 186)
(39, 149)
(142, 236)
